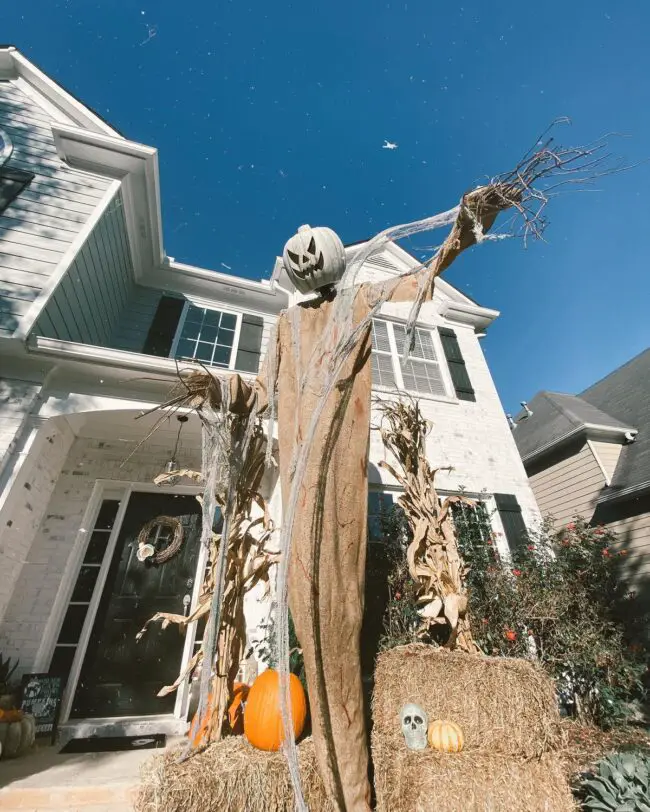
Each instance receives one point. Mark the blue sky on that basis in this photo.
(270, 115)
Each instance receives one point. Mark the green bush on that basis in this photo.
(558, 600)
(620, 782)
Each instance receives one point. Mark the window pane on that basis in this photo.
(380, 336)
(185, 348)
(204, 352)
(107, 514)
(382, 370)
(190, 330)
(208, 333)
(228, 320)
(195, 314)
(97, 547)
(213, 317)
(73, 623)
(221, 356)
(226, 337)
(422, 346)
(424, 378)
(83, 590)
(62, 661)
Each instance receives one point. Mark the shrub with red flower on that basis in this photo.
(516, 572)
(510, 635)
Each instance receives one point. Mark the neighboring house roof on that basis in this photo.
(625, 393)
(557, 416)
(617, 404)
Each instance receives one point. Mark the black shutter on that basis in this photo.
(249, 349)
(163, 327)
(513, 523)
(456, 363)
(12, 182)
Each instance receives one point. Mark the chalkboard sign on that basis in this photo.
(41, 697)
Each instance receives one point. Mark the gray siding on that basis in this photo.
(608, 454)
(89, 302)
(38, 227)
(568, 486)
(133, 326)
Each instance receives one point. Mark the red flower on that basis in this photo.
(531, 546)
(516, 572)
(398, 595)
(605, 552)
(571, 526)
(599, 531)
(485, 621)
(510, 635)
(489, 543)
(566, 543)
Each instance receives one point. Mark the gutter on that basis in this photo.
(87, 354)
(624, 493)
(589, 429)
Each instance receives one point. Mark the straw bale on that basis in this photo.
(229, 776)
(505, 706)
(427, 781)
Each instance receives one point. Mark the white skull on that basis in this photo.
(414, 726)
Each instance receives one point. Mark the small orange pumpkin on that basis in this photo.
(262, 717)
(447, 737)
(11, 716)
(236, 707)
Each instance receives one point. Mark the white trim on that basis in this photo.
(599, 461)
(67, 585)
(13, 65)
(31, 317)
(603, 432)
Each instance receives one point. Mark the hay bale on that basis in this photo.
(427, 781)
(508, 713)
(504, 705)
(229, 775)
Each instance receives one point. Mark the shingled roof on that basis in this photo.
(625, 394)
(619, 402)
(555, 416)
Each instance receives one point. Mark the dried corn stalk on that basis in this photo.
(433, 558)
(236, 490)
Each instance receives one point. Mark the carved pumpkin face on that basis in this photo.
(314, 258)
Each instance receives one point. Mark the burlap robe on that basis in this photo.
(328, 554)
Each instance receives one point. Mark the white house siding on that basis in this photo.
(21, 515)
(569, 484)
(90, 300)
(41, 223)
(36, 587)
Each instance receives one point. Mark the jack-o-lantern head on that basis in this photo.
(314, 258)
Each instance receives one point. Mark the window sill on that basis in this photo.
(387, 390)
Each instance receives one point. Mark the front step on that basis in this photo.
(73, 799)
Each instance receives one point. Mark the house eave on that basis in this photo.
(88, 357)
(480, 318)
(13, 65)
(588, 431)
(610, 494)
(136, 165)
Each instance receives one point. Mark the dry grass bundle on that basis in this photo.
(467, 782)
(504, 705)
(229, 776)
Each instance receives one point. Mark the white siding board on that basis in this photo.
(40, 225)
(26, 220)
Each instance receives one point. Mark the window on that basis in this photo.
(421, 373)
(12, 181)
(207, 336)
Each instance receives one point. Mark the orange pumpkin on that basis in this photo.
(11, 716)
(262, 718)
(447, 737)
(236, 707)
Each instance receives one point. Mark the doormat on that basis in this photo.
(113, 744)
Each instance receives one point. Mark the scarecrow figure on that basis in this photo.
(328, 550)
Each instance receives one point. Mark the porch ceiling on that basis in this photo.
(124, 425)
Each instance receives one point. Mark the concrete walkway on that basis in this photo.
(87, 782)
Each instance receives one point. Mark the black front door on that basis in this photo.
(120, 675)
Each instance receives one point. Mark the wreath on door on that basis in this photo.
(147, 551)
